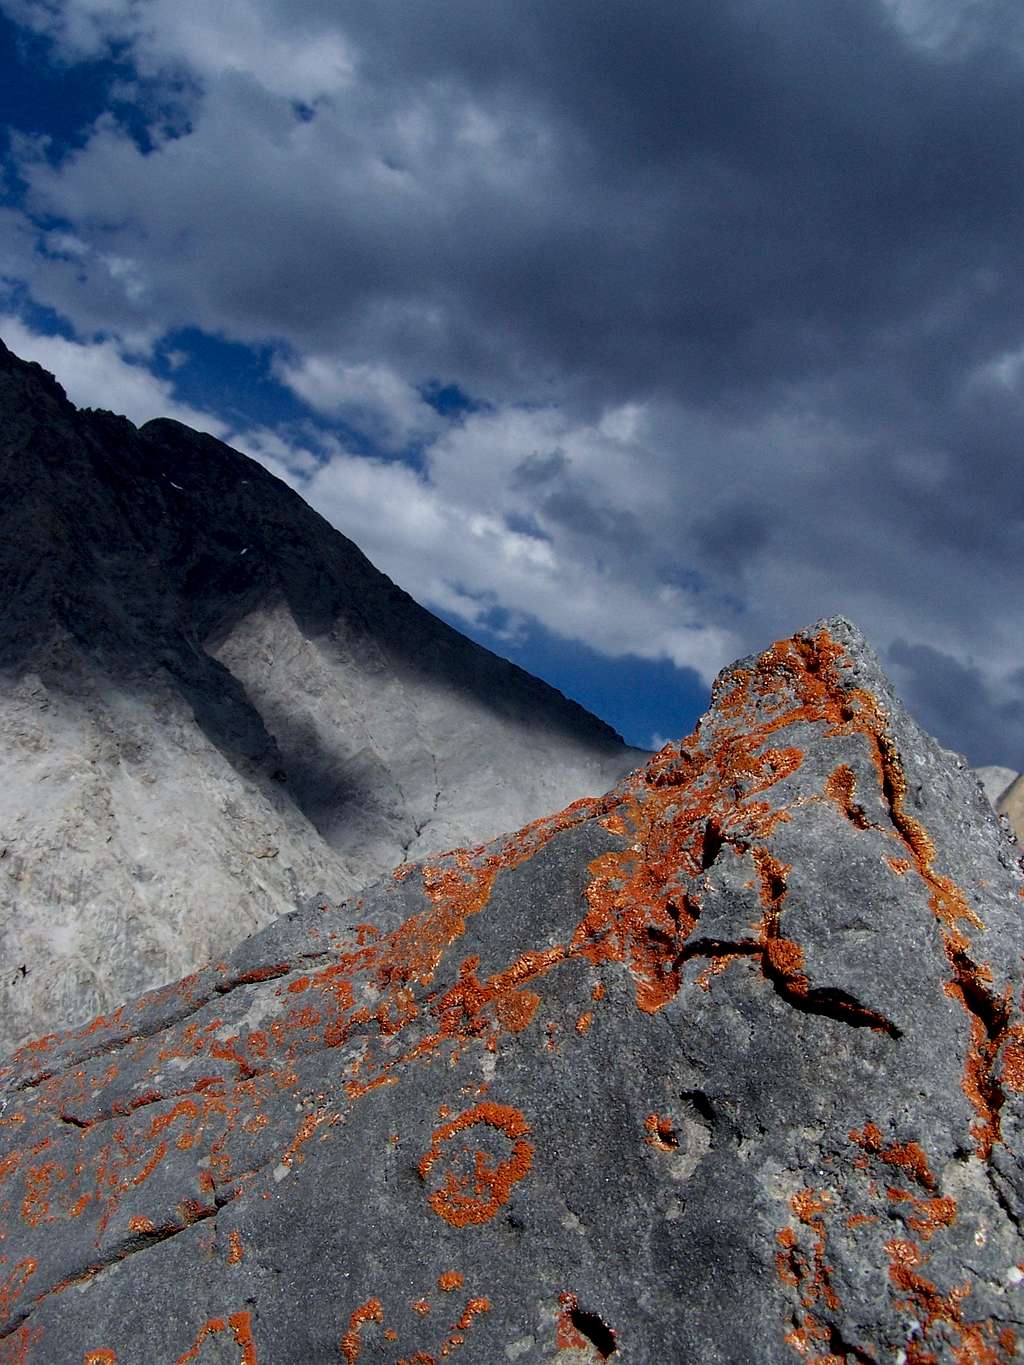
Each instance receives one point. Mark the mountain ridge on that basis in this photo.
(215, 706)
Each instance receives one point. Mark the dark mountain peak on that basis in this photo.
(277, 685)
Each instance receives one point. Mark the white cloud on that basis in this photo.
(299, 56)
(451, 535)
(371, 397)
(97, 375)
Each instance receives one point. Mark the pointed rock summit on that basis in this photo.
(212, 706)
(724, 1066)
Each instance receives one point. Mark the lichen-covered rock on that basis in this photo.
(726, 1066)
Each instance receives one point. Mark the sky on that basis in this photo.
(628, 338)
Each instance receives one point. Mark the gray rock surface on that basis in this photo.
(726, 1066)
(212, 705)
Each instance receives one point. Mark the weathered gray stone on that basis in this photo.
(211, 704)
(726, 1066)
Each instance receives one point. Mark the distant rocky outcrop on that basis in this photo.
(1005, 789)
(725, 1066)
(996, 781)
(212, 705)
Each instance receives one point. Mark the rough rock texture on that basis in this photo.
(726, 1066)
(212, 705)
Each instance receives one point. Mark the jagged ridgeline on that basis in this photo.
(724, 1066)
(212, 706)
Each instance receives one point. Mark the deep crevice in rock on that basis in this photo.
(595, 1329)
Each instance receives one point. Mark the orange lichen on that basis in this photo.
(660, 1133)
(584, 1021)
(473, 1309)
(567, 1337)
(904, 1156)
(370, 1311)
(840, 787)
(139, 1223)
(421, 1306)
(14, 1286)
(240, 1325)
(809, 1274)
(516, 1009)
(901, 866)
(99, 1358)
(236, 1253)
(977, 1343)
(449, 1281)
(1012, 1076)
(475, 1185)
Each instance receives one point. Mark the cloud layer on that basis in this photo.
(736, 291)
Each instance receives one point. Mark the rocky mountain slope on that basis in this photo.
(725, 1066)
(212, 705)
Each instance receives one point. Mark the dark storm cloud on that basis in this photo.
(954, 702)
(765, 192)
(783, 242)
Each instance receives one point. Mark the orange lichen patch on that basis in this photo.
(140, 1223)
(422, 1307)
(614, 824)
(474, 1185)
(584, 1021)
(253, 975)
(402, 871)
(860, 1220)
(901, 866)
(660, 1133)
(473, 1309)
(370, 1311)
(929, 1214)
(14, 1286)
(449, 1281)
(715, 967)
(236, 1253)
(567, 1336)
(14, 1348)
(809, 1274)
(99, 1358)
(1012, 1075)
(306, 1129)
(516, 1009)
(598, 992)
(974, 1342)
(39, 1182)
(840, 787)
(240, 1326)
(904, 1156)
(9, 1164)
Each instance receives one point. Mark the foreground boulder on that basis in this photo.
(725, 1066)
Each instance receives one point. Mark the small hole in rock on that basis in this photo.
(711, 845)
(589, 1325)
